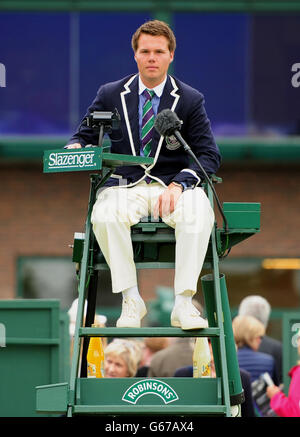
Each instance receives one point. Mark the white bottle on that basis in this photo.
(201, 358)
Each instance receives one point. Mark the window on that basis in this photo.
(277, 282)
(47, 278)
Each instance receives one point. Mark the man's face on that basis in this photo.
(153, 58)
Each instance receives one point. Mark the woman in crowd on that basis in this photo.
(248, 332)
(121, 358)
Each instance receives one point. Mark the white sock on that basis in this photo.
(131, 292)
(186, 296)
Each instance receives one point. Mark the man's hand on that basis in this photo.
(167, 201)
(74, 146)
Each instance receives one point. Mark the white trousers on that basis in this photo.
(118, 208)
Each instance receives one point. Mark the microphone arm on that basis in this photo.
(187, 149)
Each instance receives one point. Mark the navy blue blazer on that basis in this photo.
(169, 165)
(257, 363)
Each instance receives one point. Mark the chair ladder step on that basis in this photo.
(148, 332)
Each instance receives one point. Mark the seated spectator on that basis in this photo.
(259, 307)
(248, 331)
(121, 359)
(151, 346)
(178, 354)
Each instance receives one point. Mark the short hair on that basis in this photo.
(156, 344)
(154, 28)
(256, 306)
(127, 350)
(245, 329)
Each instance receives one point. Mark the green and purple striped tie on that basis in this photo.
(147, 122)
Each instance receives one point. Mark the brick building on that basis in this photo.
(40, 213)
(242, 78)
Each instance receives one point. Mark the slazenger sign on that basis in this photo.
(150, 387)
(75, 160)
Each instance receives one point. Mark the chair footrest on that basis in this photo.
(150, 409)
(148, 332)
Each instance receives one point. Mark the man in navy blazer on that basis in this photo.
(170, 165)
(170, 187)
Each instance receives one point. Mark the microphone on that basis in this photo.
(166, 122)
(168, 125)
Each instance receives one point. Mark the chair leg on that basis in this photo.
(89, 320)
(235, 387)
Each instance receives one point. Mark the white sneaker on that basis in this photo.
(186, 316)
(132, 313)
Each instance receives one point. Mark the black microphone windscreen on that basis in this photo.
(166, 122)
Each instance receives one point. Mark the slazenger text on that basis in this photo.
(71, 159)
